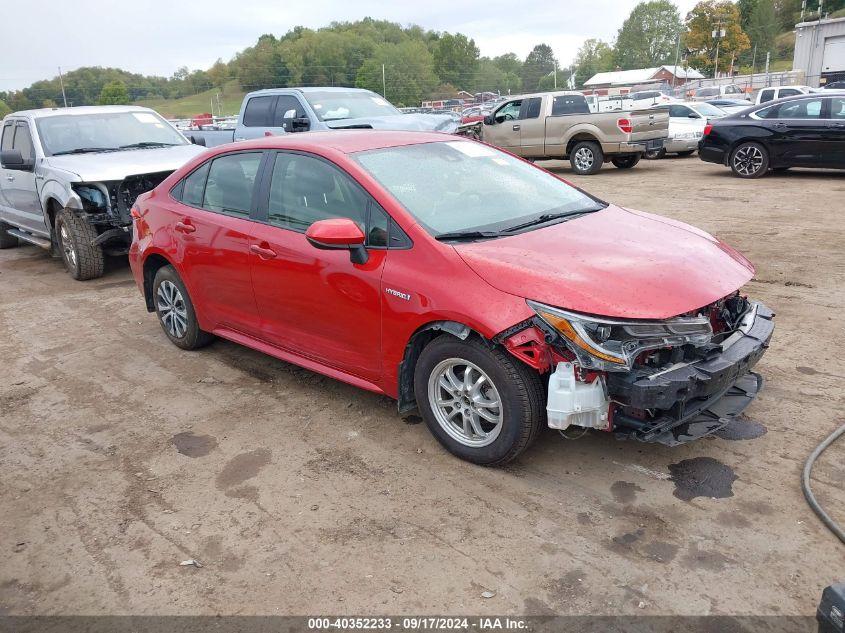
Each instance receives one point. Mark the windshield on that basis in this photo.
(462, 186)
(105, 131)
(706, 109)
(333, 106)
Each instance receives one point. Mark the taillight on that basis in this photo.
(707, 129)
(625, 125)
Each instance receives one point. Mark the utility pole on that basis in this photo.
(62, 83)
(718, 34)
(555, 74)
(753, 64)
(677, 54)
(383, 83)
(768, 58)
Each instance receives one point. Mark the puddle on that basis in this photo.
(242, 468)
(741, 429)
(624, 491)
(194, 445)
(702, 477)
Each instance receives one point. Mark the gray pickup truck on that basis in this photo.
(286, 110)
(560, 125)
(69, 177)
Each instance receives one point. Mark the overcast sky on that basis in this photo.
(155, 37)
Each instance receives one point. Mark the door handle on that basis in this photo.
(185, 227)
(263, 253)
(10, 178)
(516, 128)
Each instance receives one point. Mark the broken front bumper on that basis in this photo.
(691, 400)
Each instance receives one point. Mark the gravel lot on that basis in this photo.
(121, 456)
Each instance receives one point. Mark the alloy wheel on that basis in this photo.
(171, 309)
(584, 159)
(748, 160)
(67, 246)
(465, 402)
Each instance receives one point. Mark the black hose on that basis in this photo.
(805, 483)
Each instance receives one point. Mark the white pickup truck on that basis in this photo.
(560, 125)
(69, 176)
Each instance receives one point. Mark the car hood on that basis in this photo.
(615, 262)
(107, 166)
(404, 122)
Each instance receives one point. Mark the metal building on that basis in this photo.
(820, 50)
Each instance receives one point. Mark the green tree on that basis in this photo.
(4, 109)
(490, 77)
(746, 8)
(455, 59)
(708, 16)
(594, 56)
(539, 63)
(509, 63)
(648, 37)
(547, 83)
(114, 93)
(408, 72)
(763, 26)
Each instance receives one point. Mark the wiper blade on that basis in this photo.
(467, 235)
(86, 150)
(548, 217)
(147, 144)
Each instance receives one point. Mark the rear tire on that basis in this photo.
(479, 402)
(625, 162)
(586, 158)
(75, 240)
(175, 311)
(749, 160)
(6, 240)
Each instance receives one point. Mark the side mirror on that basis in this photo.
(301, 124)
(500, 118)
(488, 120)
(339, 234)
(12, 159)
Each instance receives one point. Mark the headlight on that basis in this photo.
(614, 344)
(93, 198)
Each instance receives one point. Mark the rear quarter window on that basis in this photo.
(258, 111)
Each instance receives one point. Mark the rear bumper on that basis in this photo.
(695, 399)
(711, 154)
(634, 147)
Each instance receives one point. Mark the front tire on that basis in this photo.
(176, 312)
(750, 160)
(625, 162)
(479, 402)
(75, 240)
(6, 240)
(586, 158)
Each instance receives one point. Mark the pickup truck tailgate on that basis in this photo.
(649, 124)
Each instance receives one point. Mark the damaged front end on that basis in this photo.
(668, 381)
(107, 206)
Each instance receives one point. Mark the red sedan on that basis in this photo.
(471, 286)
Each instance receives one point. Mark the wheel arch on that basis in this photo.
(421, 337)
(580, 137)
(748, 139)
(152, 264)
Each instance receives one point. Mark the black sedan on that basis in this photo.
(803, 131)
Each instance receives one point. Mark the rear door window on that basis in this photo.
(531, 108)
(23, 141)
(767, 95)
(194, 186)
(259, 111)
(231, 183)
(837, 108)
(788, 92)
(803, 109)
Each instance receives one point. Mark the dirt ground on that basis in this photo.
(121, 456)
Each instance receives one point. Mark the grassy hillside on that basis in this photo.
(230, 102)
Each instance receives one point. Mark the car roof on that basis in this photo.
(77, 111)
(345, 141)
(307, 90)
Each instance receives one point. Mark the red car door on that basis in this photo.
(317, 303)
(212, 230)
